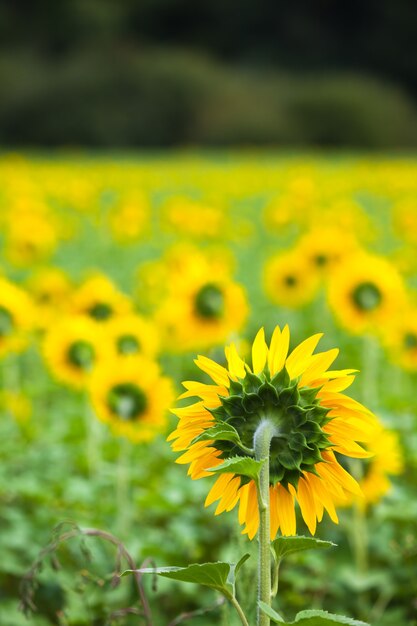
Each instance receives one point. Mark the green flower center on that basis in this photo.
(100, 311)
(321, 260)
(367, 296)
(6, 322)
(290, 281)
(81, 354)
(127, 401)
(127, 344)
(209, 302)
(410, 341)
(296, 413)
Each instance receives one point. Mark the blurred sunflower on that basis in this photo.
(386, 461)
(203, 306)
(196, 219)
(132, 334)
(324, 248)
(17, 405)
(314, 423)
(289, 280)
(365, 292)
(99, 299)
(400, 338)
(132, 396)
(130, 218)
(16, 317)
(31, 235)
(50, 289)
(73, 347)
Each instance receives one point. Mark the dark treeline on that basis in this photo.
(164, 72)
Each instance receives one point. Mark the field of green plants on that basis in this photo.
(116, 272)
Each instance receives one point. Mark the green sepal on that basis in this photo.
(239, 465)
(232, 405)
(289, 397)
(252, 402)
(281, 380)
(268, 394)
(252, 383)
(235, 388)
(290, 459)
(283, 546)
(308, 395)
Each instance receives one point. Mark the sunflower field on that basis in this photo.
(124, 276)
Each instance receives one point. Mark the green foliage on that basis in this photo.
(311, 618)
(241, 466)
(283, 546)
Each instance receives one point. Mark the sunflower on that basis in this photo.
(16, 317)
(31, 236)
(132, 334)
(314, 423)
(386, 462)
(132, 396)
(289, 280)
(72, 349)
(99, 299)
(204, 304)
(400, 338)
(130, 219)
(50, 289)
(324, 248)
(365, 292)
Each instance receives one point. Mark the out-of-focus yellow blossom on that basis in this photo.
(31, 236)
(133, 334)
(203, 306)
(16, 317)
(188, 217)
(365, 292)
(50, 289)
(99, 299)
(73, 348)
(132, 397)
(324, 248)
(400, 338)
(289, 280)
(130, 218)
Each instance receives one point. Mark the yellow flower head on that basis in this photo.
(50, 288)
(400, 338)
(204, 305)
(129, 219)
(289, 280)
(133, 334)
(314, 422)
(365, 292)
(385, 462)
(31, 236)
(16, 317)
(73, 348)
(325, 248)
(99, 299)
(132, 396)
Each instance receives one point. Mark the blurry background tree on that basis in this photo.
(176, 72)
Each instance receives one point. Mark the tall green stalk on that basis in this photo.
(262, 441)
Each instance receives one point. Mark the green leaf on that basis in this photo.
(240, 465)
(220, 432)
(213, 575)
(275, 617)
(241, 562)
(323, 618)
(283, 546)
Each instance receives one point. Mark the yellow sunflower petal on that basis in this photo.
(259, 352)
(298, 358)
(236, 364)
(214, 370)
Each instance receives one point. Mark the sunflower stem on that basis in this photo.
(262, 442)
